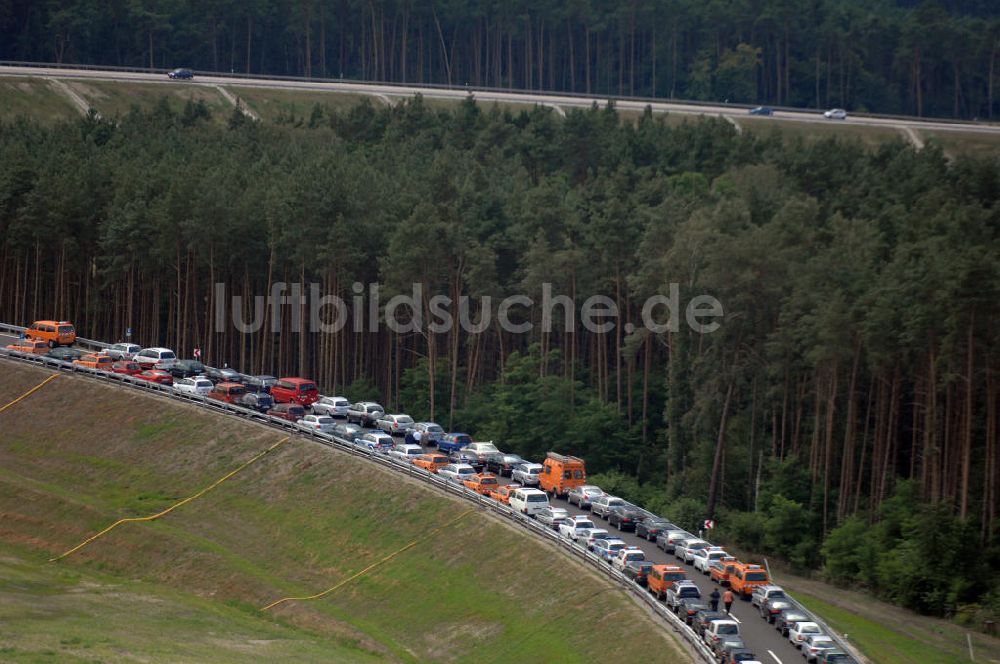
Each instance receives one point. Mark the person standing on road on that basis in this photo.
(727, 599)
(417, 437)
(409, 439)
(714, 599)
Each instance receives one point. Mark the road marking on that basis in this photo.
(171, 508)
(771, 653)
(373, 565)
(732, 616)
(30, 392)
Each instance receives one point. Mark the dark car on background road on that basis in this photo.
(637, 570)
(762, 110)
(624, 517)
(65, 354)
(181, 73)
(650, 528)
(503, 464)
(261, 401)
(187, 369)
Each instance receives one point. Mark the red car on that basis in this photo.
(228, 392)
(292, 412)
(298, 390)
(156, 376)
(128, 368)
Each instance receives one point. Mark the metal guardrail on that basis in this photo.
(385, 461)
(581, 96)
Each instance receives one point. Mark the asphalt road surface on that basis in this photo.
(906, 125)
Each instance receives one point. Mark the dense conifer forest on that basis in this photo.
(927, 58)
(844, 416)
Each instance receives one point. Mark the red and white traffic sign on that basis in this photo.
(197, 353)
(709, 524)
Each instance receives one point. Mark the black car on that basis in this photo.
(258, 401)
(257, 383)
(65, 354)
(690, 606)
(637, 570)
(835, 657)
(181, 73)
(222, 375)
(187, 369)
(650, 528)
(503, 464)
(461, 456)
(787, 618)
(762, 110)
(701, 619)
(624, 517)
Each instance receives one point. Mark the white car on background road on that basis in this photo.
(835, 114)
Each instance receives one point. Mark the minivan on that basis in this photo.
(156, 358)
(529, 501)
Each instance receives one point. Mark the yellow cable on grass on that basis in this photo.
(373, 565)
(30, 392)
(169, 509)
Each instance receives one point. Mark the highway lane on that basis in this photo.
(905, 125)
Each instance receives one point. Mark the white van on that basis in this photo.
(529, 501)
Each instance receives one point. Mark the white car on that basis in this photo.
(835, 114)
(718, 630)
(406, 452)
(195, 385)
(457, 472)
(703, 558)
(527, 501)
(156, 358)
(481, 448)
(122, 351)
(813, 646)
(332, 406)
(395, 425)
(798, 632)
(626, 556)
(575, 527)
(321, 423)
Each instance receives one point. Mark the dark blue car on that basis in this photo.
(181, 73)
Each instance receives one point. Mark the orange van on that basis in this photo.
(99, 362)
(661, 577)
(721, 569)
(745, 577)
(561, 473)
(54, 333)
(504, 492)
(29, 346)
(431, 462)
(482, 483)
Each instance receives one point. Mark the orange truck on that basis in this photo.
(721, 569)
(482, 483)
(52, 332)
(33, 346)
(560, 473)
(661, 577)
(745, 577)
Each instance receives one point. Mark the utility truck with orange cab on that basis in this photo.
(503, 493)
(561, 473)
(661, 577)
(54, 333)
(745, 577)
(720, 570)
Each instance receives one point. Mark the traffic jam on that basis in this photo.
(730, 605)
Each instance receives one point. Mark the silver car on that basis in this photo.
(457, 472)
(601, 505)
(430, 433)
(582, 495)
(394, 425)
(527, 474)
(122, 351)
(332, 406)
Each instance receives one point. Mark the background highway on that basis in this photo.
(558, 101)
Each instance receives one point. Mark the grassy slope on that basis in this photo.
(111, 98)
(35, 98)
(76, 456)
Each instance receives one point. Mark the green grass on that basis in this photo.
(964, 142)
(870, 136)
(114, 98)
(273, 105)
(297, 522)
(34, 98)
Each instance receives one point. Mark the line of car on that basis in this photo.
(832, 114)
(479, 467)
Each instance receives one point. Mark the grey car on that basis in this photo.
(122, 351)
(582, 495)
(257, 401)
(527, 473)
(430, 432)
(601, 505)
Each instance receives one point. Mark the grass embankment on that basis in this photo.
(34, 98)
(888, 634)
(116, 98)
(76, 456)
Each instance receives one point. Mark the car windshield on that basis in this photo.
(324, 420)
(466, 471)
(689, 591)
(404, 419)
(433, 428)
(65, 329)
(728, 629)
(537, 498)
(756, 576)
(307, 387)
(167, 355)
